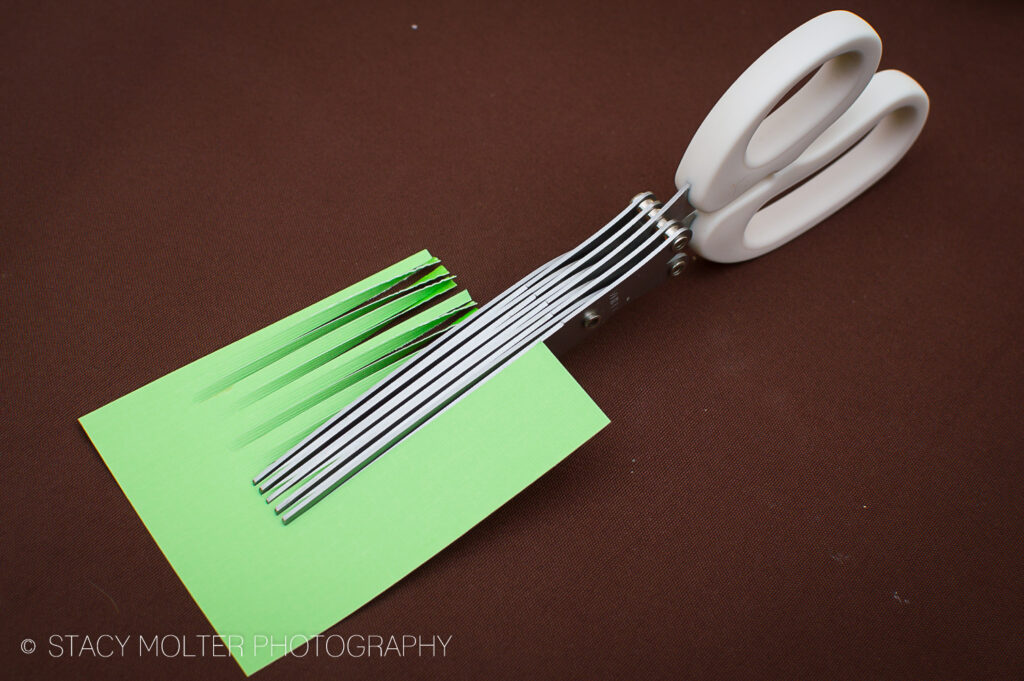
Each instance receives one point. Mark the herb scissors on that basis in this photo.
(820, 148)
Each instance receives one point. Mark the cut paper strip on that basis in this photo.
(281, 403)
(200, 430)
(278, 340)
(360, 337)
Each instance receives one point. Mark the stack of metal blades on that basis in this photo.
(464, 356)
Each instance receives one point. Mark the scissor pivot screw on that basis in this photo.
(677, 232)
(677, 264)
(591, 319)
(681, 239)
(649, 205)
(641, 197)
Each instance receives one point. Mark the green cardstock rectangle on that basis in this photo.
(179, 461)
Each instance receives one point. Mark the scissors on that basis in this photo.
(813, 153)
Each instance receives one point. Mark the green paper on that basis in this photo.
(184, 450)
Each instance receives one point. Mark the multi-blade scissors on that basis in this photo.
(813, 153)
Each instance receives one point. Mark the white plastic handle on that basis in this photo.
(888, 116)
(741, 157)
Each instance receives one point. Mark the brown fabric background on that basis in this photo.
(814, 463)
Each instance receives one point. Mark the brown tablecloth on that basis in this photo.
(814, 464)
